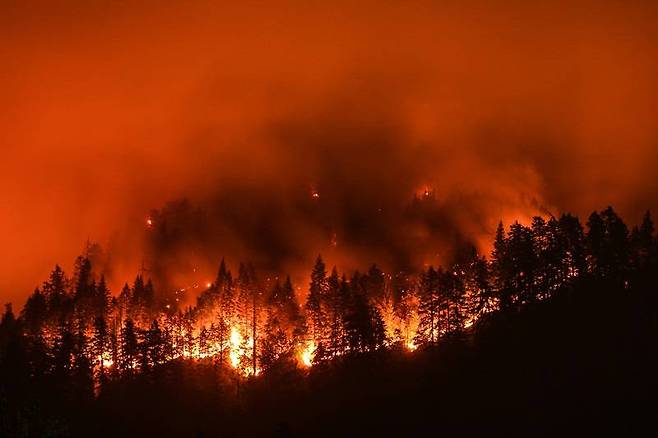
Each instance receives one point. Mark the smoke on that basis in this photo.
(301, 128)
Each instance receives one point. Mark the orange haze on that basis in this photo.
(505, 109)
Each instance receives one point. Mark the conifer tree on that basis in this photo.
(100, 348)
(102, 298)
(336, 315)
(480, 297)
(129, 347)
(429, 308)
(315, 311)
(55, 290)
(501, 269)
(34, 312)
(572, 244)
(644, 250)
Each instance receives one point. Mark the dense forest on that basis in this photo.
(557, 326)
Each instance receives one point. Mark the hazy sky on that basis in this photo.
(109, 109)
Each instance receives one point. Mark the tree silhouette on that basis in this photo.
(129, 347)
(74, 339)
(100, 348)
(429, 308)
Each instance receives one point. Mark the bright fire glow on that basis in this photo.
(234, 353)
(307, 353)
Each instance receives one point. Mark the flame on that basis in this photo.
(307, 354)
(235, 350)
(105, 360)
(411, 346)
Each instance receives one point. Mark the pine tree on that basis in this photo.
(124, 305)
(204, 347)
(249, 304)
(429, 308)
(275, 341)
(572, 243)
(607, 242)
(292, 314)
(34, 313)
(82, 278)
(405, 306)
(643, 244)
(522, 264)
(34, 318)
(15, 374)
(58, 300)
(480, 298)
(364, 327)
(220, 332)
(82, 374)
(549, 255)
(336, 315)
(501, 269)
(616, 247)
(189, 341)
(595, 243)
(152, 346)
(100, 348)
(142, 300)
(63, 351)
(314, 309)
(129, 347)
(455, 294)
(7, 325)
(102, 298)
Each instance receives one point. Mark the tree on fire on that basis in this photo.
(72, 333)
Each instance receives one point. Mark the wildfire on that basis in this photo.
(149, 222)
(411, 346)
(307, 354)
(105, 360)
(235, 350)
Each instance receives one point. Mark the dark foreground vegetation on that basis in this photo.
(582, 362)
(576, 357)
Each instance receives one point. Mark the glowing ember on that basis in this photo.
(411, 346)
(149, 222)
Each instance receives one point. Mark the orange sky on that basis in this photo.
(112, 109)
